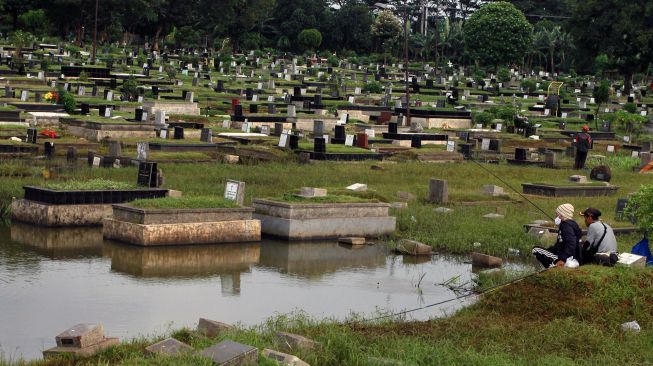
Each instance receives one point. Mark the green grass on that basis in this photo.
(181, 155)
(185, 202)
(90, 185)
(336, 148)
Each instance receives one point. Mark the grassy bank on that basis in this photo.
(449, 232)
(559, 317)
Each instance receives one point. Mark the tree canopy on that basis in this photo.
(498, 34)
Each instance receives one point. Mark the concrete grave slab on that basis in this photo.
(284, 358)
(212, 328)
(292, 342)
(231, 353)
(169, 346)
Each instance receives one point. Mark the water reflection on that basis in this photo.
(314, 259)
(226, 260)
(59, 243)
(73, 273)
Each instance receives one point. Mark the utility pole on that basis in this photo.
(95, 34)
(406, 61)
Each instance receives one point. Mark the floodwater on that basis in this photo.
(52, 279)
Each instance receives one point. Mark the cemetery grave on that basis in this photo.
(277, 121)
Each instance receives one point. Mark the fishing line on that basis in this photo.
(455, 298)
(509, 186)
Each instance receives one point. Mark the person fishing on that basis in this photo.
(567, 243)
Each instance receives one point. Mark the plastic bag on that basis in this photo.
(642, 249)
(571, 263)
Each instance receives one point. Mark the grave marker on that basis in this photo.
(148, 174)
(235, 190)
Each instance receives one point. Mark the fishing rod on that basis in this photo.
(471, 293)
(509, 186)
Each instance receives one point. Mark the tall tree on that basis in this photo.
(622, 29)
(497, 34)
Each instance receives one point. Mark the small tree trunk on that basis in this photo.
(155, 41)
(628, 81)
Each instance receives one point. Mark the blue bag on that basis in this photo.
(642, 249)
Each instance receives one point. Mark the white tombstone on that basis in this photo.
(610, 148)
(485, 144)
(141, 150)
(226, 124)
(163, 134)
(451, 146)
(370, 132)
(283, 140)
(349, 140)
(292, 111)
(159, 117)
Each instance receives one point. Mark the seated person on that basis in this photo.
(568, 241)
(600, 245)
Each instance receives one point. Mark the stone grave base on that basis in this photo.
(182, 233)
(568, 191)
(84, 352)
(324, 220)
(45, 214)
(93, 134)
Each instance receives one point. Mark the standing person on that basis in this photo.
(583, 143)
(568, 241)
(600, 245)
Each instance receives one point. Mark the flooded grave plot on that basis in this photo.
(73, 273)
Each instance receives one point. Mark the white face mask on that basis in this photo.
(557, 221)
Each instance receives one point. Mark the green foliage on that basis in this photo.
(333, 61)
(479, 76)
(67, 100)
(250, 41)
(171, 71)
(45, 65)
(528, 85)
(331, 198)
(185, 202)
(630, 107)
(640, 206)
(310, 39)
(503, 75)
(89, 185)
(129, 89)
(35, 21)
(506, 113)
(484, 118)
(373, 87)
(21, 40)
(601, 63)
(601, 93)
(83, 76)
(186, 37)
(629, 123)
(386, 29)
(497, 34)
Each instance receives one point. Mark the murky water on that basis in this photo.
(51, 279)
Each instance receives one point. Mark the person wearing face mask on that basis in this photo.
(567, 243)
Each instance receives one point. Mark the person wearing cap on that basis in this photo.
(567, 243)
(583, 142)
(600, 245)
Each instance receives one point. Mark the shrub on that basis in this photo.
(83, 76)
(333, 60)
(506, 113)
(528, 85)
(373, 87)
(45, 65)
(484, 118)
(630, 107)
(310, 39)
(171, 71)
(503, 75)
(129, 89)
(640, 206)
(67, 100)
